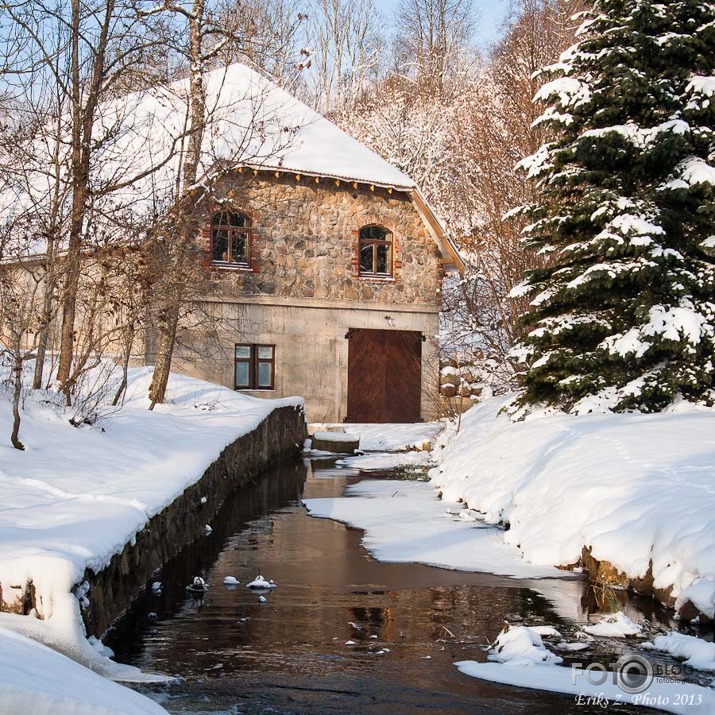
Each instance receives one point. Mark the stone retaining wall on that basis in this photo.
(279, 436)
(106, 595)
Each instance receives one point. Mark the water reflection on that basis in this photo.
(340, 633)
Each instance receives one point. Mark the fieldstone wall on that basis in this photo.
(279, 436)
(302, 291)
(605, 574)
(305, 240)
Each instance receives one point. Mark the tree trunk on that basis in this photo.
(69, 296)
(16, 394)
(197, 110)
(44, 336)
(125, 367)
(50, 284)
(69, 292)
(82, 125)
(164, 353)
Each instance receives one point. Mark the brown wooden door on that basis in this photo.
(384, 376)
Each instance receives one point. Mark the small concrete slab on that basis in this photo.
(341, 442)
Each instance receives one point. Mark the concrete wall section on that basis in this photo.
(311, 346)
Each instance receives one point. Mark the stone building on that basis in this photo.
(325, 261)
(328, 266)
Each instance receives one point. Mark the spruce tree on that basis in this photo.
(623, 315)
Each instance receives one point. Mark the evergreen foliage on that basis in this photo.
(623, 316)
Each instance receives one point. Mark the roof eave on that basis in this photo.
(406, 188)
(451, 259)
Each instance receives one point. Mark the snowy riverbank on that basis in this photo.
(631, 487)
(76, 496)
(405, 523)
(35, 679)
(638, 490)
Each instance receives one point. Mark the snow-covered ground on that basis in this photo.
(76, 496)
(637, 489)
(634, 488)
(35, 679)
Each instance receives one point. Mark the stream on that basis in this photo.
(341, 633)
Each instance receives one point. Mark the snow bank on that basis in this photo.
(614, 625)
(75, 497)
(637, 489)
(521, 645)
(702, 595)
(695, 652)
(64, 633)
(35, 679)
(681, 698)
(405, 523)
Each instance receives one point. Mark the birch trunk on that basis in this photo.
(197, 121)
(82, 124)
(16, 394)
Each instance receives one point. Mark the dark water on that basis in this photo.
(409, 623)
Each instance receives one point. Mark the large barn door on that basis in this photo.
(384, 376)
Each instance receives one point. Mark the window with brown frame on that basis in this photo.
(230, 239)
(375, 251)
(254, 367)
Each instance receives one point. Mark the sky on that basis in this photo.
(490, 16)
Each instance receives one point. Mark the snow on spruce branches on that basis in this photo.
(623, 315)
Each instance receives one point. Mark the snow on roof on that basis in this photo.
(318, 146)
(250, 121)
(139, 141)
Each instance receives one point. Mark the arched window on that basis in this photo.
(230, 238)
(375, 251)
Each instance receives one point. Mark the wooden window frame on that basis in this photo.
(254, 361)
(231, 229)
(387, 240)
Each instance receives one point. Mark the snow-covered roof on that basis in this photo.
(250, 122)
(316, 147)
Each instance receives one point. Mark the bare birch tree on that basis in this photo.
(270, 37)
(431, 37)
(347, 52)
(173, 243)
(85, 48)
